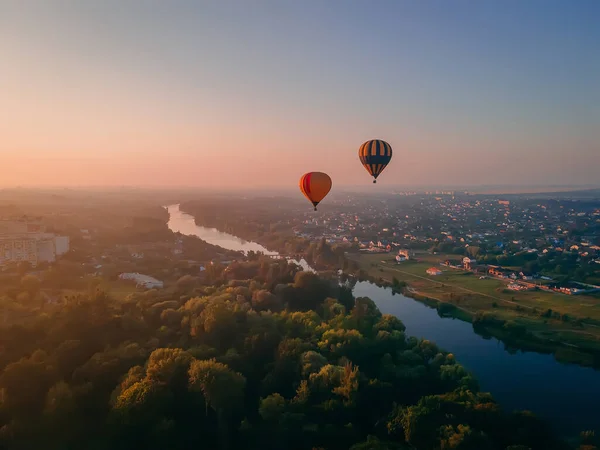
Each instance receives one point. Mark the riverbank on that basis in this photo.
(519, 379)
(247, 229)
(278, 239)
(533, 320)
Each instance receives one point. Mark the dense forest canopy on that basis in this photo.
(279, 359)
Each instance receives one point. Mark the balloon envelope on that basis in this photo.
(375, 155)
(315, 186)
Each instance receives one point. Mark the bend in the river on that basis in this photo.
(565, 394)
(185, 224)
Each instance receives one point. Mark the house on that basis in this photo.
(433, 271)
(498, 272)
(469, 263)
(404, 253)
(526, 276)
(142, 280)
(401, 258)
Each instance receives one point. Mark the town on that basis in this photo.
(531, 243)
(522, 267)
(525, 265)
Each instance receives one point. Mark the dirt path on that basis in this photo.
(414, 291)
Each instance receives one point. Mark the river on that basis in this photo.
(180, 222)
(565, 394)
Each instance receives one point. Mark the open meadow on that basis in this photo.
(574, 320)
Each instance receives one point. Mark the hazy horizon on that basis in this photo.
(289, 189)
(231, 95)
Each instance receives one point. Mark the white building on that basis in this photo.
(25, 240)
(46, 250)
(18, 250)
(61, 245)
(403, 255)
(142, 280)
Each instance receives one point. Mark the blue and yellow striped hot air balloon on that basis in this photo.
(375, 155)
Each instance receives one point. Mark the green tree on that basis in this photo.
(272, 408)
(222, 388)
(473, 251)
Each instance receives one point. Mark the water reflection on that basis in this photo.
(180, 222)
(567, 395)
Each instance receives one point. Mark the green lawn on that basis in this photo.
(472, 294)
(460, 282)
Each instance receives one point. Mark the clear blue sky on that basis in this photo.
(258, 92)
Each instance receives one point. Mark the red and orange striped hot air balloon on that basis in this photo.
(375, 155)
(315, 186)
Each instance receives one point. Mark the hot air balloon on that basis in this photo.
(375, 155)
(315, 186)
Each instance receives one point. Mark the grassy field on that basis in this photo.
(472, 294)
